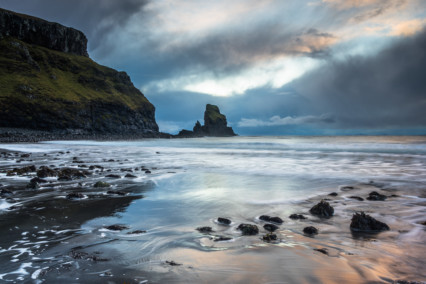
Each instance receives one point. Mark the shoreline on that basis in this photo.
(16, 135)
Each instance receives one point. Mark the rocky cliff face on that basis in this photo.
(40, 32)
(215, 124)
(48, 82)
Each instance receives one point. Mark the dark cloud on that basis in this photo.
(387, 90)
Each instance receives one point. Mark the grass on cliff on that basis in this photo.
(37, 75)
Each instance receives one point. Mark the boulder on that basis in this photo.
(267, 218)
(44, 172)
(75, 195)
(269, 237)
(297, 217)
(223, 221)
(362, 222)
(310, 230)
(322, 209)
(270, 227)
(248, 229)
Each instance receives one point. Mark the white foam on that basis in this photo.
(21, 270)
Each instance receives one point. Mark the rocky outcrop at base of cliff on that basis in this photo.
(48, 83)
(43, 33)
(215, 125)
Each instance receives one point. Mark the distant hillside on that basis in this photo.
(48, 82)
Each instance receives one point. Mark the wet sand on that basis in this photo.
(50, 236)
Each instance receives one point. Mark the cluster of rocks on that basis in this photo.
(45, 177)
(360, 222)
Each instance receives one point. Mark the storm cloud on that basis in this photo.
(387, 88)
(273, 67)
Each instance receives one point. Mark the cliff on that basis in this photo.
(48, 82)
(43, 33)
(215, 125)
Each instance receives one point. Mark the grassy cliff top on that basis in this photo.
(30, 73)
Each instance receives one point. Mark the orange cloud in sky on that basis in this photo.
(408, 28)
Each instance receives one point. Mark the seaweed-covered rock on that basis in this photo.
(322, 209)
(310, 230)
(39, 180)
(333, 194)
(75, 195)
(248, 229)
(223, 221)
(297, 217)
(356, 198)
(72, 173)
(270, 227)
(362, 222)
(270, 237)
(130, 176)
(375, 196)
(44, 172)
(101, 184)
(136, 232)
(33, 185)
(22, 171)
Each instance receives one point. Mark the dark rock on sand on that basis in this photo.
(297, 217)
(44, 172)
(362, 222)
(270, 237)
(205, 229)
(113, 176)
(116, 227)
(136, 232)
(322, 209)
(267, 218)
(172, 263)
(75, 195)
(333, 194)
(322, 250)
(310, 230)
(22, 171)
(356, 198)
(116, 192)
(101, 184)
(248, 229)
(375, 196)
(270, 227)
(130, 176)
(223, 221)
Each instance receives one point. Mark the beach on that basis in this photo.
(128, 211)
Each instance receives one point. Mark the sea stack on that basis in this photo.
(215, 125)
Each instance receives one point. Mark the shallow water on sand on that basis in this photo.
(195, 181)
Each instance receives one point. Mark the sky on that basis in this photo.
(294, 67)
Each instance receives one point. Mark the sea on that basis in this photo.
(175, 186)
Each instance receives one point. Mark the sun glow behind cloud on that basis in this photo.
(275, 75)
